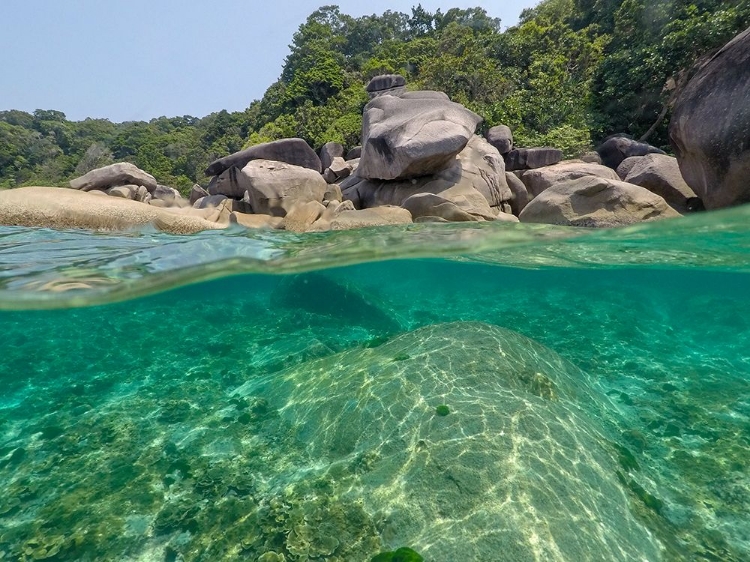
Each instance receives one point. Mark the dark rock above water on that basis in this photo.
(617, 148)
(291, 151)
(710, 127)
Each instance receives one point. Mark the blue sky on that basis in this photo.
(138, 59)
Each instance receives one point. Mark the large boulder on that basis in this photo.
(501, 137)
(54, 207)
(520, 195)
(531, 158)
(660, 174)
(475, 182)
(710, 127)
(391, 84)
(596, 202)
(272, 187)
(408, 138)
(291, 151)
(616, 148)
(536, 181)
(114, 175)
(465, 441)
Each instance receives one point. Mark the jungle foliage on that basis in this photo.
(570, 73)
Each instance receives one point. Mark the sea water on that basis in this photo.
(483, 392)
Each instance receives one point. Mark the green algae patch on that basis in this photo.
(403, 554)
(442, 410)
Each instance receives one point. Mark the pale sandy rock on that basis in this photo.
(376, 216)
(302, 215)
(255, 221)
(54, 207)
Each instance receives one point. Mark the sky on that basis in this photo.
(129, 60)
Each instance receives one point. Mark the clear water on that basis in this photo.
(268, 396)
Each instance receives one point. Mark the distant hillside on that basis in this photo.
(570, 73)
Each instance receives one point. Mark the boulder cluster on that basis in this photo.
(421, 160)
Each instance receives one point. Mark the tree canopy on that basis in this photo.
(570, 73)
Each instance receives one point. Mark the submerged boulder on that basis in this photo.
(114, 175)
(408, 138)
(596, 202)
(462, 440)
(291, 151)
(710, 127)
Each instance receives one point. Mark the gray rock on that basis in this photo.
(273, 187)
(431, 205)
(209, 201)
(166, 193)
(536, 181)
(475, 182)
(592, 157)
(425, 95)
(531, 158)
(132, 192)
(408, 138)
(123, 191)
(338, 170)
(710, 127)
(122, 173)
(617, 148)
(501, 137)
(660, 174)
(328, 152)
(291, 151)
(596, 202)
(624, 168)
(196, 193)
(386, 84)
(520, 197)
(354, 153)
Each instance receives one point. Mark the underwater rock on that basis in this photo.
(321, 295)
(521, 466)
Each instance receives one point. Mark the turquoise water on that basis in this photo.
(481, 392)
